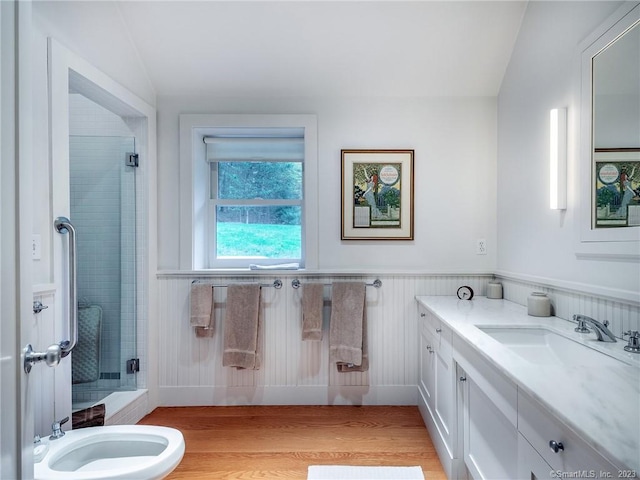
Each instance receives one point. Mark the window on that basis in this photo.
(253, 190)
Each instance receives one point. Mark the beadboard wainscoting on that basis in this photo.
(566, 300)
(296, 372)
(299, 373)
(42, 380)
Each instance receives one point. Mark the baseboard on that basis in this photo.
(288, 395)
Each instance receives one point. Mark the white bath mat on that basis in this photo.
(337, 472)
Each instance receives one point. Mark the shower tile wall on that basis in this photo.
(99, 211)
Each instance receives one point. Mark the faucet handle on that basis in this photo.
(57, 428)
(582, 326)
(59, 423)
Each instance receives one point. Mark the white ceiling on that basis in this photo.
(324, 48)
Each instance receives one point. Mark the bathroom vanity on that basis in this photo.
(508, 396)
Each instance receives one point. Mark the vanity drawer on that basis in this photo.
(431, 325)
(540, 427)
(426, 320)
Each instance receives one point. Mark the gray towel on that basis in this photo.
(242, 327)
(85, 361)
(312, 302)
(364, 365)
(346, 333)
(201, 305)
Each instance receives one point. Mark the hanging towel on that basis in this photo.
(85, 361)
(364, 365)
(346, 332)
(201, 304)
(242, 327)
(312, 302)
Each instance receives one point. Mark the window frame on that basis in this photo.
(194, 186)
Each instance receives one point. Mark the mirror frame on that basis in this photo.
(618, 242)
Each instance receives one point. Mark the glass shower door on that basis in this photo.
(103, 209)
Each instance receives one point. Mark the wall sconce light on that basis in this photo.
(558, 159)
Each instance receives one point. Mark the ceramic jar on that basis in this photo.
(494, 290)
(539, 305)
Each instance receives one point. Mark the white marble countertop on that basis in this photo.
(601, 404)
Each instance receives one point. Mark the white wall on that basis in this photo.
(455, 169)
(544, 73)
(95, 31)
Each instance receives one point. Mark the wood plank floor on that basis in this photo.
(275, 442)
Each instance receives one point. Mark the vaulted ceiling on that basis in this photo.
(323, 48)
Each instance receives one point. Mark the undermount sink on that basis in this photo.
(542, 346)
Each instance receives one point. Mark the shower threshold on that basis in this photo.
(121, 408)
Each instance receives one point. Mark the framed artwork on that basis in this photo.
(616, 188)
(377, 194)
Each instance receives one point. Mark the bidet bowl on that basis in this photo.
(140, 452)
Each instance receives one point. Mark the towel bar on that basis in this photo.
(295, 283)
(277, 283)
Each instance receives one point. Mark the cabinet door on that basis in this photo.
(490, 439)
(427, 370)
(445, 388)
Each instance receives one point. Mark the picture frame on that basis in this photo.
(616, 188)
(377, 194)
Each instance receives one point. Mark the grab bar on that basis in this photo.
(55, 352)
(63, 225)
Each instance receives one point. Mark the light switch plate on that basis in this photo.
(36, 247)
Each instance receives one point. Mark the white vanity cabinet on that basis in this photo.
(548, 449)
(438, 388)
(488, 404)
(494, 415)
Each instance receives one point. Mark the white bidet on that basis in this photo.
(140, 452)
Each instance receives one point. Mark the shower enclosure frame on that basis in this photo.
(67, 70)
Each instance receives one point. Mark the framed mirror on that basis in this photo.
(610, 132)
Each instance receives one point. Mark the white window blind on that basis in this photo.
(271, 149)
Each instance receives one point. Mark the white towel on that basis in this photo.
(201, 305)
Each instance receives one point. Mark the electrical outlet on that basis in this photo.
(481, 246)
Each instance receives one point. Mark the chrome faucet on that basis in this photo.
(602, 332)
(57, 429)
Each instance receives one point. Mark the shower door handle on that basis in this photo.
(63, 225)
(60, 350)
